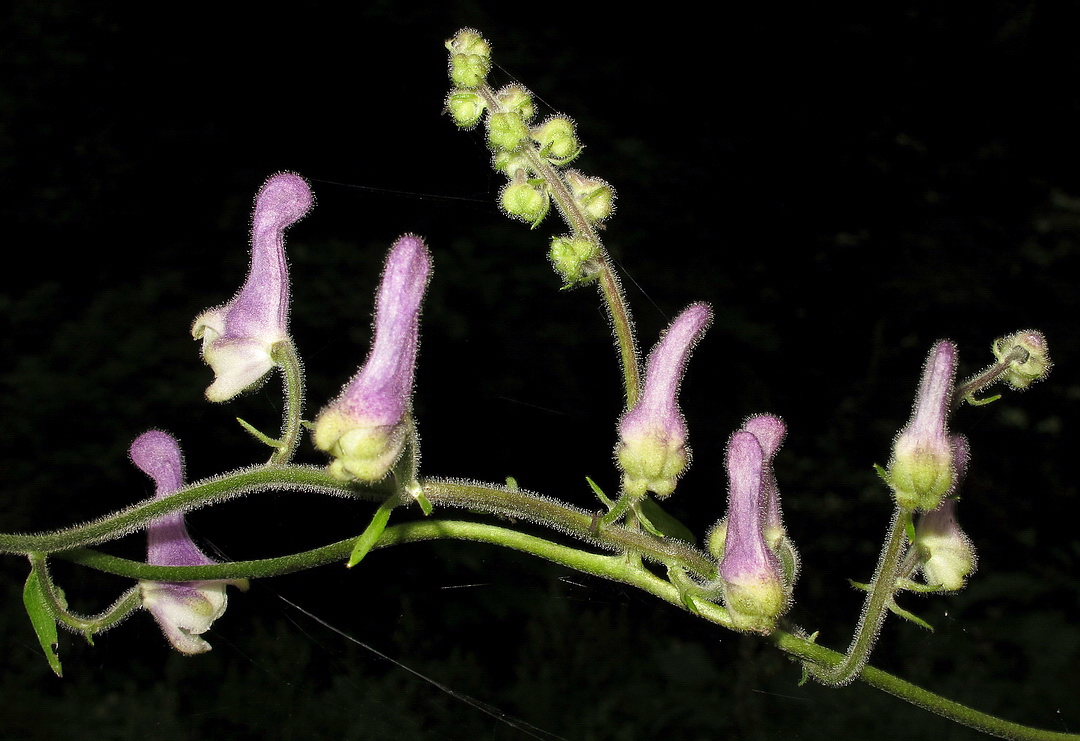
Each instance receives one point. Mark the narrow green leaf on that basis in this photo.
(897, 610)
(600, 494)
(261, 436)
(42, 620)
(371, 534)
(664, 523)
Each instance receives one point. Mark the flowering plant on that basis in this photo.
(743, 577)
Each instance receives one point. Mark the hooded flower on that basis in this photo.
(239, 337)
(365, 428)
(921, 468)
(184, 610)
(652, 436)
(751, 575)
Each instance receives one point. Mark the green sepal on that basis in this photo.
(41, 618)
(687, 589)
(261, 436)
(600, 494)
(371, 534)
(909, 527)
(970, 399)
(913, 586)
(425, 505)
(812, 638)
(884, 474)
(901, 612)
(661, 523)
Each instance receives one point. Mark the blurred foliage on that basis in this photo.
(844, 189)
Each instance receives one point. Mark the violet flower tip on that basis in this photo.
(283, 200)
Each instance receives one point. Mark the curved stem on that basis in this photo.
(610, 567)
(192, 496)
(954, 711)
(608, 280)
(292, 377)
(125, 604)
(882, 591)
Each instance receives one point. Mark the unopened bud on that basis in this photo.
(511, 163)
(1033, 363)
(525, 200)
(507, 131)
(575, 259)
(557, 140)
(466, 108)
(517, 99)
(470, 58)
(595, 196)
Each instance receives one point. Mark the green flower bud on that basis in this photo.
(595, 196)
(517, 99)
(469, 41)
(1024, 371)
(525, 200)
(557, 140)
(466, 108)
(574, 259)
(510, 163)
(468, 70)
(506, 131)
(470, 58)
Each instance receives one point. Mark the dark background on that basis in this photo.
(844, 187)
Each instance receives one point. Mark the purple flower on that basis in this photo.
(921, 468)
(365, 428)
(652, 436)
(752, 578)
(184, 610)
(239, 337)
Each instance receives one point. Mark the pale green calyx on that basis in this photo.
(525, 199)
(557, 141)
(466, 107)
(517, 99)
(575, 259)
(507, 131)
(595, 196)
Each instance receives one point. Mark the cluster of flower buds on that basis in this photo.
(368, 425)
(184, 610)
(652, 448)
(531, 157)
(758, 562)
